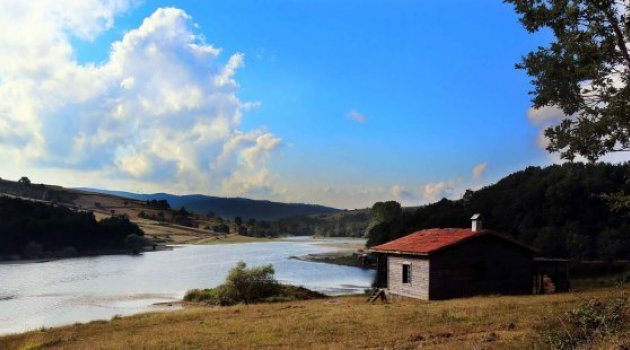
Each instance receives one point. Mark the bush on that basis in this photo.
(33, 250)
(249, 285)
(589, 322)
(135, 243)
(196, 295)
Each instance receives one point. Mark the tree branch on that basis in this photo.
(621, 42)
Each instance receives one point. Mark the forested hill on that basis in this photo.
(228, 208)
(30, 229)
(558, 209)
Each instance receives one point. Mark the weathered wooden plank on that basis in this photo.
(418, 287)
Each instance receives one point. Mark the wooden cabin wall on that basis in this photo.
(419, 284)
(487, 265)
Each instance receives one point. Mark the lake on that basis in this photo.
(35, 295)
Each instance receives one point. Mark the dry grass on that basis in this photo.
(336, 323)
(232, 238)
(359, 244)
(104, 205)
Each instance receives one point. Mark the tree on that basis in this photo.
(584, 72)
(24, 181)
(610, 245)
(385, 212)
(238, 221)
(135, 243)
(51, 229)
(222, 228)
(251, 284)
(379, 233)
(183, 212)
(33, 250)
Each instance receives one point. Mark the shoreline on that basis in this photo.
(343, 258)
(89, 254)
(348, 249)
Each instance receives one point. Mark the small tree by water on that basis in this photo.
(250, 284)
(242, 285)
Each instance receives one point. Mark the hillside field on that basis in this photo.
(106, 205)
(491, 322)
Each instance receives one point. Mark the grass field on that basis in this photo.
(232, 238)
(335, 323)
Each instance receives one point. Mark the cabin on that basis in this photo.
(446, 263)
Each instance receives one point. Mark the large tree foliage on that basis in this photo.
(584, 72)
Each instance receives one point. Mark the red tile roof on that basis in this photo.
(428, 241)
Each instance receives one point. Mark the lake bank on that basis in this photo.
(84, 289)
(508, 322)
(348, 252)
(344, 258)
(232, 239)
(86, 254)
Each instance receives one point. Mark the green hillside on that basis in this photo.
(227, 208)
(560, 209)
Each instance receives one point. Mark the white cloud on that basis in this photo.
(545, 115)
(542, 118)
(402, 194)
(162, 108)
(357, 116)
(479, 170)
(396, 191)
(435, 191)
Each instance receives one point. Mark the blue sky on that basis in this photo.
(361, 100)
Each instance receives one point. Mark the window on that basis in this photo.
(406, 273)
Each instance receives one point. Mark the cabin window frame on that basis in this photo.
(406, 273)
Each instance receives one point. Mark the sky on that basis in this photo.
(336, 102)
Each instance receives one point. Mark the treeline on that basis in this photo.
(351, 223)
(32, 229)
(255, 228)
(24, 188)
(563, 210)
(340, 224)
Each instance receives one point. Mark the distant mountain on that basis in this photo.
(228, 207)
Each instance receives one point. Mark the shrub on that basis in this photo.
(196, 295)
(135, 243)
(587, 323)
(250, 285)
(33, 250)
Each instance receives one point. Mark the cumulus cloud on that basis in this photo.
(163, 108)
(357, 116)
(442, 189)
(544, 115)
(400, 193)
(479, 170)
(543, 118)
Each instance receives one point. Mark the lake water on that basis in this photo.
(36, 295)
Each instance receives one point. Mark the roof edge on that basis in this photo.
(398, 252)
(456, 243)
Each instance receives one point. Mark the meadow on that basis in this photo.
(485, 322)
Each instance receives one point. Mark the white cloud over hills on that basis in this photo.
(162, 109)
